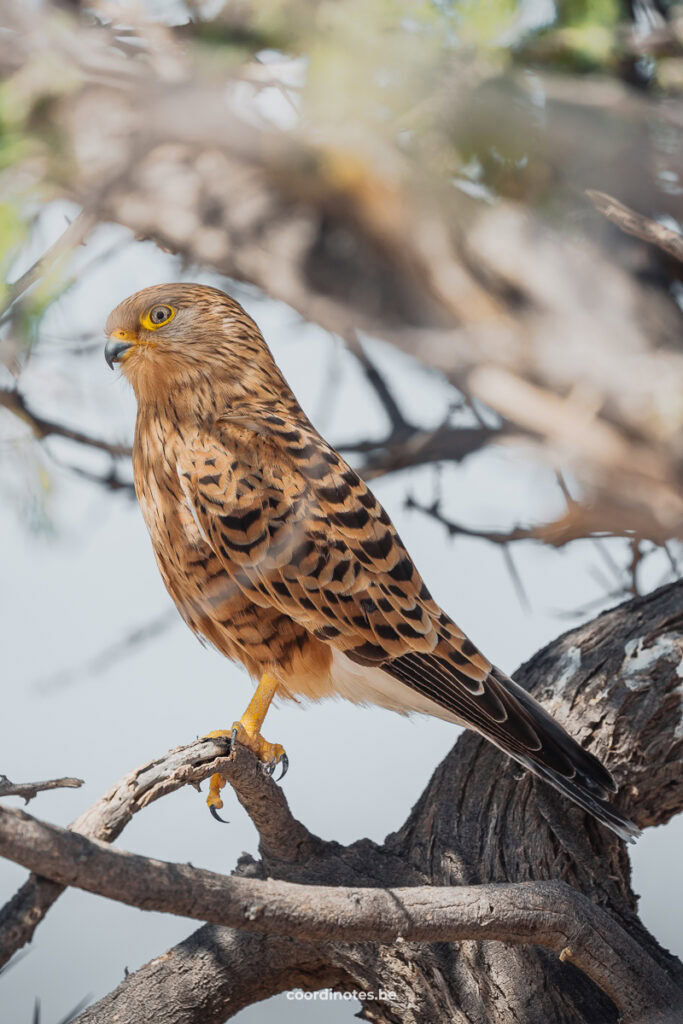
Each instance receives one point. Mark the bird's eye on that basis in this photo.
(160, 314)
(157, 316)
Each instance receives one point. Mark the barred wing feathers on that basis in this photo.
(299, 530)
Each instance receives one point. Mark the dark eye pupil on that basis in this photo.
(159, 314)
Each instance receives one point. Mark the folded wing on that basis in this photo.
(298, 529)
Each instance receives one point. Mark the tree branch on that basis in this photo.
(400, 427)
(14, 402)
(548, 914)
(28, 790)
(74, 235)
(420, 447)
(282, 836)
(616, 679)
(648, 230)
(212, 975)
(577, 523)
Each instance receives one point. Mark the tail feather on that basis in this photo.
(581, 792)
(586, 781)
(501, 711)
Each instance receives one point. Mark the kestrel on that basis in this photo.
(278, 554)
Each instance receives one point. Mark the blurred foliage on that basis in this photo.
(408, 72)
(441, 78)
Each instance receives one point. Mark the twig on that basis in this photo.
(75, 235)
(550, 914)
(400, 427)
(109, 480)
(14, 402)
(407, 445)
(636, 224)
(445, 443)
(122, 648)
(576, 524)
(635, 560)
(516, 578)
(28, 790)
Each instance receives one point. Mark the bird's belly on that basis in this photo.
(218, 610)
(261, 637)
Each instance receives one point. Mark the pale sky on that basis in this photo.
(79, 575)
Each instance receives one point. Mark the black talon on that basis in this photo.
(284, 764)
(269, 767)
(233, 740)
(216, 815)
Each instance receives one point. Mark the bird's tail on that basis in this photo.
(500, 710)
(563, 763)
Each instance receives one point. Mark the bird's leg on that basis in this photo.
(248, 732)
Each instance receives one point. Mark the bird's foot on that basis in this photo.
(248, 732)
(269, 754)
(217, 781)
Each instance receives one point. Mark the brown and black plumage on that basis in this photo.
(277, 553)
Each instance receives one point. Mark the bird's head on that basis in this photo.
(174, 336)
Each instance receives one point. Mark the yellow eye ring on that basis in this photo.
(157, 316)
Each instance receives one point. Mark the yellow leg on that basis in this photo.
(248, 732)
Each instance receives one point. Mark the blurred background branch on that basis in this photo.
(431, 196)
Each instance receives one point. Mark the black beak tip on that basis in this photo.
(113, 351)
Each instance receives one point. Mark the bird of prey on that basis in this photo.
(278, 554)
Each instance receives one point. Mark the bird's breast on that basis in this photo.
(206, 588)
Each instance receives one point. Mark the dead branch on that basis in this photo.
(636, 224)
(281, 834)
(29, 790)
(548, 914)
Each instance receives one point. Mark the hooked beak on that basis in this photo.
(117, 345)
